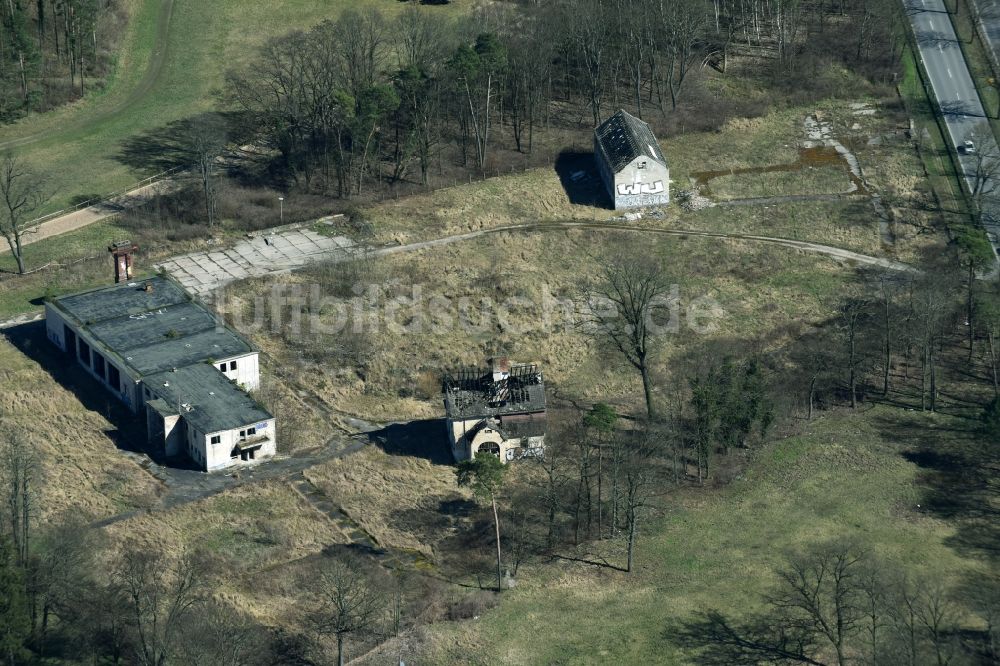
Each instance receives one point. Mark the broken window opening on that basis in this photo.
(490, 447)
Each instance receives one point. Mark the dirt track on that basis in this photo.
(215, 277)
(805, 246)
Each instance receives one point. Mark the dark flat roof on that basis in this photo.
(90, 307)
(151, 331)
(153, 327)
(216, 403)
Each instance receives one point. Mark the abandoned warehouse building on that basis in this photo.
(171, 361)
(631, 164)
(499, 410)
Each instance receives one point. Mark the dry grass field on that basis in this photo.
(890, 167)
(397, 499)
(249, 528)
(82, 470)
(523, 294)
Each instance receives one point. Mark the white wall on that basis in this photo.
(246, 373)
(217, 455)
(54, 326)
(173, 435)
(463, 449)
(128, 387)
(646, 186)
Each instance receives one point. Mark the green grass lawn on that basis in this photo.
(90, 241)
(78, 144)
(717, 549)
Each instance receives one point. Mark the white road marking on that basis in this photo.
(950, 75)
(931, 23)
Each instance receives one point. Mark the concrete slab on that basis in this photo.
(285, 250)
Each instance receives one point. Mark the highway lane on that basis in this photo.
(957, 97)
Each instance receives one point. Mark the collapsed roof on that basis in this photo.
(474, 393)
(623, 138)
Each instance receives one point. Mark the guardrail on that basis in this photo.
(145, 182)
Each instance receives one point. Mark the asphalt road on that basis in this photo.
(956, 94)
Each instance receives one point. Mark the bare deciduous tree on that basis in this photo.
(206, 138)
(160, 597)
(22, 192)
(851, 317)
(62, 570)
(219, 635)
(350, 604)
(19, 476)
(640, 480)
(624, 309)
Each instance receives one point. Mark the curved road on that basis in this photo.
(204, 272)
(805, 246)
(136, 95)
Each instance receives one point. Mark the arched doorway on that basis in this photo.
(493, 448)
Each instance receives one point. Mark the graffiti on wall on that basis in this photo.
(655, 187)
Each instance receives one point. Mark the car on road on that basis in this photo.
(969, 147)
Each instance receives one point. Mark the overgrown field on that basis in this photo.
(892, 167)
(842, 475)
(738, 156)
(845, 473)
(523, 295)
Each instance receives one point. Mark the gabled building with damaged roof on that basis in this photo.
(172, 361)
(630, 162)
(499, 410)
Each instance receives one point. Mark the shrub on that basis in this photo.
(472, 605)
(991, 418)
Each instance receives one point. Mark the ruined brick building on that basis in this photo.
(631, 164)
(499, 409)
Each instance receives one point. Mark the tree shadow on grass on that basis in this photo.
(129, 432)
(581, 180)
(958, 478)
(603, 563)
(170, 146)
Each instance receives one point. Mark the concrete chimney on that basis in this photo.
(122, 253)
(500, 366)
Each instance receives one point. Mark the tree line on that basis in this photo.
(52, 51)
(69, 594)
(367, 99)
(839, 603)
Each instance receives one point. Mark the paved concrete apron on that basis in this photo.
(277, 252)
